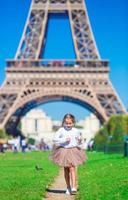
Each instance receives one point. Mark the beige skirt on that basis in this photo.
(66, 157)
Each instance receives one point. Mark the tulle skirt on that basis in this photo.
(66, 157)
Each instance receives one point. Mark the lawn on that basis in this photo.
(103, 177)
(19, 179)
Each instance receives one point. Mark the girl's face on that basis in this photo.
(68, 123)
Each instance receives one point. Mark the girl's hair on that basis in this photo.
(68, 116)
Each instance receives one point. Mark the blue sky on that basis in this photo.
(109, 23)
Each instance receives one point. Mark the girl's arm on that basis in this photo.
(80, 139)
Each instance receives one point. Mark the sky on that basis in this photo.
(109, 24)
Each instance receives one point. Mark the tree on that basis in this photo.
(116, 128)
(113, 131)
(126, 124)
(101, 136)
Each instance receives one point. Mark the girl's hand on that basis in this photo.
(68, 140)
(79, 139)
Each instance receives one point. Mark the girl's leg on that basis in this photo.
(76, 178)
(67, 176)
(73, 171)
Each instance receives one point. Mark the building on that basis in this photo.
(90, 125)
(37, 125)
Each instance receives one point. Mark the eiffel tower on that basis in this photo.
(31, 81)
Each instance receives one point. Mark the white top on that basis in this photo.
(62, 134)
(23, 142)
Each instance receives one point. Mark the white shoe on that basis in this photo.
(68, 191)
(73, 191)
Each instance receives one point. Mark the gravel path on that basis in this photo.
(57, 190)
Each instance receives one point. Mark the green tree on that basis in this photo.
(113, 131)
(116, 128)
(126, 124)
(101, 136)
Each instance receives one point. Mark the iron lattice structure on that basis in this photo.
(31, 81)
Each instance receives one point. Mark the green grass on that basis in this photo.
(103, 177)
(19, 180)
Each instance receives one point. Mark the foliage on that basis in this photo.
(113, 131)
(3, 134)
(79, 126)
(116, 125)
(101, 136)
(117, 128)
(126, 124)
(31, 141)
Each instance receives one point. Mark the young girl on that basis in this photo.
(67, 152)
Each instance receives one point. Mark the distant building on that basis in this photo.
(56, 125)
(37, 125)
(90, 125)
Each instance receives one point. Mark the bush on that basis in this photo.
(31, 141)
(3, 134)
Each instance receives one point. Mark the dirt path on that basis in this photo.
(57, 190)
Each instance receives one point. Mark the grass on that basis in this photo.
(103, 177)
(19, 179)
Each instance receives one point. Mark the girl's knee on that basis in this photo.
(72, 168)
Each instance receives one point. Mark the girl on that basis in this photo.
(67, 152)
